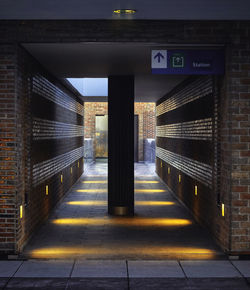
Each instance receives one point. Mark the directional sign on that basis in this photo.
(159, 59)
(188, 61)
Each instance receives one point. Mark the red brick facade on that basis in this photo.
(145, 112)
(234, 143)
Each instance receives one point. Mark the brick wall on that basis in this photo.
(234, 91)
(187, 136)
(45, 121)
(145, 111)
(8, 152)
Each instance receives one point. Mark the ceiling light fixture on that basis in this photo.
(124, 11)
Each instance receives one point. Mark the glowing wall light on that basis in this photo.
(47, 190)
(61, 178)
(71, 170)
(169, 170)
(124, 11)
(179, 178)
(196, 190)
(78, 164)
(223, 209)
(21, 211)
(161, 163)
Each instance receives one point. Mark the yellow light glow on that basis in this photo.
(78, 164)
(146, 181)
(169, 170)
(91, 190)
(71, 170)
(149, 190)
(196, 190)
(103, 202)
(136, 181)
(88, 202)
(124, 221)
(21, 211)
(223, 209)
(95, 181)
(47, 190)
(148, 251)
(154, 203)
(61, 178)
(124, 11)
(179, 178)
(161, 163)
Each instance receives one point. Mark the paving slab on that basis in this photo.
(209, 269)
(42, 269)
(217, 284)
(98, 283)
(243, 267)
(8, 268)
(101, 269)
(154, 269)
(37, 283)
(158, 284)
(3, 282)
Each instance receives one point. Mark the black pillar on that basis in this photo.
(121, 145)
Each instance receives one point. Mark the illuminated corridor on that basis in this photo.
(160, 229)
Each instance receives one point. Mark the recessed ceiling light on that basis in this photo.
(124, 11)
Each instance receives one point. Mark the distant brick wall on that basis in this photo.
(234, 92)
(145, 111)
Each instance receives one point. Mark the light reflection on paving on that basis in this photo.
(161, 229)
(125, 221)
(104, 203)
(157, 251)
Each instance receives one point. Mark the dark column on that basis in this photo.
(121, 145)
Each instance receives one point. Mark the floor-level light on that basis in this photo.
(21, 211)
(223, 209)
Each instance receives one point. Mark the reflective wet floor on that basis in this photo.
(162, 228)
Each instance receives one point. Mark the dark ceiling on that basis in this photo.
(77, 60)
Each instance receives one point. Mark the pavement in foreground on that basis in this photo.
(122, 274)
(161, 247)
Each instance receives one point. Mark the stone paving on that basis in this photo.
(161, 228)
(81, 247)
(122, 274)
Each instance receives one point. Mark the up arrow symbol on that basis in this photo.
(159, 56)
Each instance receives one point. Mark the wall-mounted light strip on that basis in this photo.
(179, 178)
(169, 170)
(223, 209)
(61, 178)
(78, 164)
(21, 211)
(71, 170)
(161, 164)
(196, 190)
(47, 190)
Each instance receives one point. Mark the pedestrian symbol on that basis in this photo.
(177, 60)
